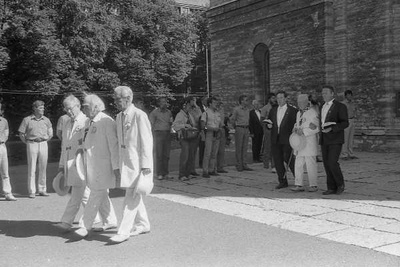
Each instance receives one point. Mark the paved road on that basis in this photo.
(237, 220)
(181, 236)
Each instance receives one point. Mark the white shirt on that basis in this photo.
(280, 114)
(258, 113)
(325, 109)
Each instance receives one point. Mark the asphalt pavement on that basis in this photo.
(238, 219)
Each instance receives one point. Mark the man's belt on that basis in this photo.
(242, 126)
(351, 118)
(36, 140)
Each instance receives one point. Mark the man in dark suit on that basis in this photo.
(282, 119)
(203, 107)
(334, 120)
(256, 131)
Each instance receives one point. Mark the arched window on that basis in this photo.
(261, 70)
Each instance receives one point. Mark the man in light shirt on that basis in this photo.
(35, 130)
(282, 119)
(5, 177)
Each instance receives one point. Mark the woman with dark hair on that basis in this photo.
(185, 125)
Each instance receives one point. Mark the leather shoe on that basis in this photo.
(119, 238)
(65, 227)
(297, 188)
(195, 174)
(43, 194)
(340, 190)
(81, 232)
(279, 186)
(10, 197)
(213, 174)
(222, 171)
(206, 175)
(32, 195)
(247, 169)
(329, 192)
(105, 228)
(140, 231)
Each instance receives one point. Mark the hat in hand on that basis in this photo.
(145, 184)
(59, 184)
(297, 142)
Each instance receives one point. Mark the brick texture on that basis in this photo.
(352, 44)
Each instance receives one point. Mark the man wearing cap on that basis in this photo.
(35, 130)
(282, 118)
(240, 120)
(72, 131)
(5, 178)
(306, 126)
(135, 144)
(334, 120)
(100, 154)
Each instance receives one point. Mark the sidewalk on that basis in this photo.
(367, 214)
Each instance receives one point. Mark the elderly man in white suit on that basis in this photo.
(135, 162)
(72, 131)
(307, 124)
(100, 154)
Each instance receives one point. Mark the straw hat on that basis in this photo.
(59, 184)
(145, 184)
(297, 142)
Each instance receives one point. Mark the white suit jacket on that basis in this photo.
(135, 142)
(72, 131)
(100, 152)
(309, 116)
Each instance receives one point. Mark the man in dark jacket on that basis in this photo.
(334, 120)
(256, 131)
(281, 122)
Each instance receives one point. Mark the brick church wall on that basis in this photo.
(353, 45)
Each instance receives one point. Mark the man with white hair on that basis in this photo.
(100, 153)
(72, 131)
(306, 125)
(135, 142)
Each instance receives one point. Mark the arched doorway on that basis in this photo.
(261, 71)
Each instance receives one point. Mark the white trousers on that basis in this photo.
(37, 154)
(98, 202)
(134, 213)
(347, 148)
(5, 178)
(80, 195)
(312, 170)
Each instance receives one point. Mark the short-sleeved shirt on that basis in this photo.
(350, 108)
(212, 119)
(161, 120)
(36, 128)
(241, 116)
(4, 130)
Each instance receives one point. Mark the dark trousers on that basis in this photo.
(202, 145)
(256, 145)
(330, 157)
(162, 149)
(282, 153)
(187, 157)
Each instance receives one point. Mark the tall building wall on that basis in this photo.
(352, 44)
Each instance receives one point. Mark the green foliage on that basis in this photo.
(52, 47)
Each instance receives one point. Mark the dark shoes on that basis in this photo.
(222, 171)
(280, 186)
(340, 190)
(247, 169)
(213, 174)
(195, 174)
(206, 175)
(329, 192)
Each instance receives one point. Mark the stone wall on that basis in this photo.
(352, 44)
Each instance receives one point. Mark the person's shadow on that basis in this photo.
(31, 228)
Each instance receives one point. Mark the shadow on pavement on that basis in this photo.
(30, 228)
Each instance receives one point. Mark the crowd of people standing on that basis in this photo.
(99, 153)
